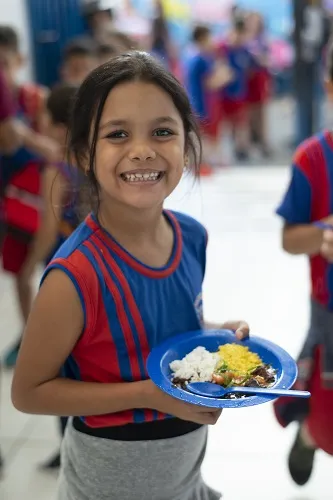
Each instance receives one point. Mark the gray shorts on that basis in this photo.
(103, 469)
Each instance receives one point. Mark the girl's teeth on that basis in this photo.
(152, 176)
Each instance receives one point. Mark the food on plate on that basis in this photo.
(232, 365)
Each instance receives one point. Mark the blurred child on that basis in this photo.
(29, 97)
(20, 175)
(59, 192)
(234, 105)
(80, 57)
(259, 82)
(99, 18)
(309, 199)
(205, 75)
(14, 137)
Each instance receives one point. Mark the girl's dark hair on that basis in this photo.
(91, 97)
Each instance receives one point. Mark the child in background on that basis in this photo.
(14, 137)
(234, 105)
(106, 296)
(259, 82)
(19, 176)
(60, 186)
(205, 76)
(80, 57)
(309, 199)
(30, 98)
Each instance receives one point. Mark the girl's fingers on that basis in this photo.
(241, 328)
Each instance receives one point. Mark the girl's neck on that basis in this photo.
(132, 225)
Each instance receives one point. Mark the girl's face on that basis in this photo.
(140, 148)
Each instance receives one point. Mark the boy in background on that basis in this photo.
(233, 98)
(59, 192)
(19, 175)
(307, 209)
(205, 76)
(80, 57)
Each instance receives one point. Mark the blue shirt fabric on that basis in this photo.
(199, 66)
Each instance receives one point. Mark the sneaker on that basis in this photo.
(52, 464)
(300, 461)
(242, 155)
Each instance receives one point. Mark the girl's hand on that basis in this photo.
(241, 328)
(155, 399)
(327, 246)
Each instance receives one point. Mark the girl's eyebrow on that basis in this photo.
(122, 123)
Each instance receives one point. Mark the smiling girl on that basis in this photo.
(128, 278)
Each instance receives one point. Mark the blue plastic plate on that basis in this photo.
(177, 347)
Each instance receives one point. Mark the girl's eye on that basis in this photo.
(163, 132)
(118, 134)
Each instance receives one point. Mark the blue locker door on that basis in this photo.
(52, 24)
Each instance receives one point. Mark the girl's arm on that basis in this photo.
(220, 76)
(53, 194)
(300, 239)
(54, 327)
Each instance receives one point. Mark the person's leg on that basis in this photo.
(304, 103)
(315, 431)
(301, 455)
(318, 97)
(241, 131)
(14, 255)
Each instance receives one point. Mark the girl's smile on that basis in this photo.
(142, 176)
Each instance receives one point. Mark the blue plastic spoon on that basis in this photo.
(210, 390)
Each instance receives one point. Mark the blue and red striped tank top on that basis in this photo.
(309, 198)
(130, 307)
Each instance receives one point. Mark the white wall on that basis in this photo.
(13, 12)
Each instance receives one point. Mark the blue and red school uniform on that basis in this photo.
(20, 184)
(203, 101)
(129, 307)
(234, 96)
(259, 84)
(309, 198)
(21, 207)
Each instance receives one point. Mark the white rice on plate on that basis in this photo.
(197, 366)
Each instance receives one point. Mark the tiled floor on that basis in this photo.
(248, 276)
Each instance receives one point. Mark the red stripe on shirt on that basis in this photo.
(310, 155)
